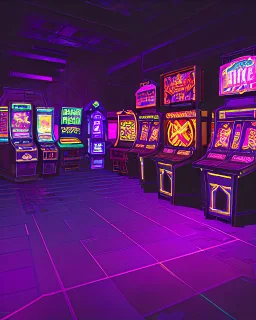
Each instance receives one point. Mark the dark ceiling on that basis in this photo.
(99, 26)
(105, 28)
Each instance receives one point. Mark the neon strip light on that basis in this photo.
(227, 191)
(37, 57)
(141, 168)
(161, 177)
(23, 75)
(218, 175)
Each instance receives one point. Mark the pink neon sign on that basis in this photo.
(238, 76)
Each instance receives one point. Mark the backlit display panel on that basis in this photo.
(21, 124)
(154, 132)
(144, 130)
(178, 86)
(181, 132)
(71, 119)
(146, 96)
(238, 76)
(3, 124)
(44, 127)
(127, 129)
(98, 148)
(237, 137)
(224, 130)
(249, 143)
(112, 130)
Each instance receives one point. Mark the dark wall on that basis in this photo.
(201, 41)
(74, 84)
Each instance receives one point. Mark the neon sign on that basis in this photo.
(179, 86)
(127, 130)
(146, 96)
(181, 114)
(223, 135)
(181, 133)
(70, 130)
(71, 116)
(238, 76)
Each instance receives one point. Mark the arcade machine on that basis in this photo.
(127, 130)
(229, 167)
(70, 145)
(95, 114)
(148, 129)
(46, 142)
(184, 135)
(19, 154)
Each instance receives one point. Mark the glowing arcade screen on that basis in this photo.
(178, 86)
(112, 130)
(223, 134)
(238, 76)
(97, 125)
(181, 131)
(3, 124)
(44, 126)
(98, 148)
(71, 120)
(249, 143)
(154, 132)
(146, 96)
(21, 121)
(127, 130)
(144, 130)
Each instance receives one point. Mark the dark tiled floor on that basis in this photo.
(92, 245)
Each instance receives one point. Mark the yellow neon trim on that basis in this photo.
(161, 175)
(218, 175)
(141, 168)
(165, 164)
(215, 187)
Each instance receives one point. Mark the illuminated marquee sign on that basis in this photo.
(238, 76)
(181, 114)
(146, 96)
(70, 130)
(178, 86)
(149, 117)
(71, 116)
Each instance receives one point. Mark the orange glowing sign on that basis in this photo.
(127, 130)
(237, 137)
(181, 114)
(144, 131)
(223, 135)
(182, 132)
(178, 86)
(250, 137)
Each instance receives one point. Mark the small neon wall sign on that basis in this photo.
(238, 76)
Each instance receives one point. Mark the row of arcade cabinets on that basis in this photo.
(27, 143)
(228, 169)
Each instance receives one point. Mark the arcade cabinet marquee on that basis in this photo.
(229, 166)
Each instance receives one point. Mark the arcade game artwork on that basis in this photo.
(21, 154)
(48, 151)
(70, 143)
(229, 167)
(95, 115)
(185, 134)
(127, 131)
(148, 130)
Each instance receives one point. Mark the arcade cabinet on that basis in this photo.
(111, 136)
(70, 145)
(127, 130)
(229, 167)
(46, 142)
(95, 115)
(148, 129)
(19, 153)
(184, 135)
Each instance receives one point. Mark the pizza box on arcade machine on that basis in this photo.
(126, 135)
(148, 129)
(229, 167)
(184, 135)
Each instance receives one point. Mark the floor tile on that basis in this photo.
(101, 300)
(200, 271)
(151, 289)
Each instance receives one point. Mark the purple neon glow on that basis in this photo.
(37, 57)
(23, 75)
